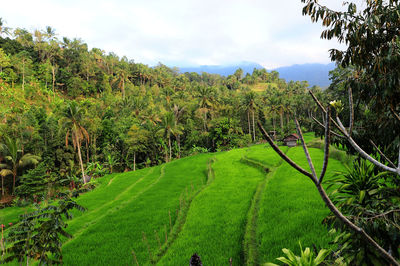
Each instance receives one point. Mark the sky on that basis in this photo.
(183, 32)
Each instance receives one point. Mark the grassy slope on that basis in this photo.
(216, 220)
(116, 234)
(291, 209)
(125, 205)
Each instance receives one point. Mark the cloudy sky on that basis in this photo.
(183, 32)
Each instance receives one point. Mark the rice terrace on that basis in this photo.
(206, 133)
(219, 204)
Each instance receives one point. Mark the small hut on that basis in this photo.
(291, 140)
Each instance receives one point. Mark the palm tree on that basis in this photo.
(137, 140)
(3, 29)
(72, 123)
(250, 104)
(168, 127)
(178, 111)
(122, 76)
(206, 97)
(15, 159)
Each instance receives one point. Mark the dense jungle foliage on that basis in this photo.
(74, 108)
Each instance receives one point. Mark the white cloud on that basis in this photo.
(182, 32)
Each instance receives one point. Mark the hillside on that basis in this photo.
(220, 205)
(315, 74)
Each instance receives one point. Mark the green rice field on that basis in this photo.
(240, 206)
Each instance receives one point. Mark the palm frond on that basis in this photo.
(28, 159)
(4, 166)
(5, 172)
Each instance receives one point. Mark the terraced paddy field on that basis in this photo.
(242, 205)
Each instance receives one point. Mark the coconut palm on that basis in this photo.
(249, 103)
(168, 127)
(72, 124)
(178, 112)
(122, 76)
(205, 94)
(14, 159)
(3, 29)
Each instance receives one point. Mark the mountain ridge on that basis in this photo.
(315, 73)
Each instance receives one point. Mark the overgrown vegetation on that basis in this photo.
(74, 107)
(72, 118)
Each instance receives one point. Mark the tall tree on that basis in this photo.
(122, 75)
(249, 103)
(23, 63)
(178, 112)
(137, 140)
(168, 127)
(72, 122)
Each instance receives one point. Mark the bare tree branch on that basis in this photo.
(326, 198)
(326, 148)
(323, 110)
(280, 153)
(395, 114)
(382, 214)
(314, 174)
(351, 123)
(389, 258)
(353, 227)
(363, 153)
(381, 153)
(332, 132)
(398, 167)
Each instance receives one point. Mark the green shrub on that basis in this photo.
(306, 258)
(368, 198)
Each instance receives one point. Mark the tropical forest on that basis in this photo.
(105, 160)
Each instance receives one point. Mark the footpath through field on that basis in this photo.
(216, 219)
(244, 205)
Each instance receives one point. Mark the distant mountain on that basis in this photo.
(315, 74)
(223, 70)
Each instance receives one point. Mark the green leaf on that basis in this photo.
(289, 254)
(286, 261)
(322, 254)
(362, 195)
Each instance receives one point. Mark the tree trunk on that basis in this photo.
(248, 120)
(2, 186)
(87, 152)
(254, 130)
(80, 161)
(23, 75)
(273, 122)
(204, 121)
(94, 157)
(134, 161)
(14, 177)
(281, 116)
(123, 89)
(178, 139)
(53, 72)
(170, 149)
